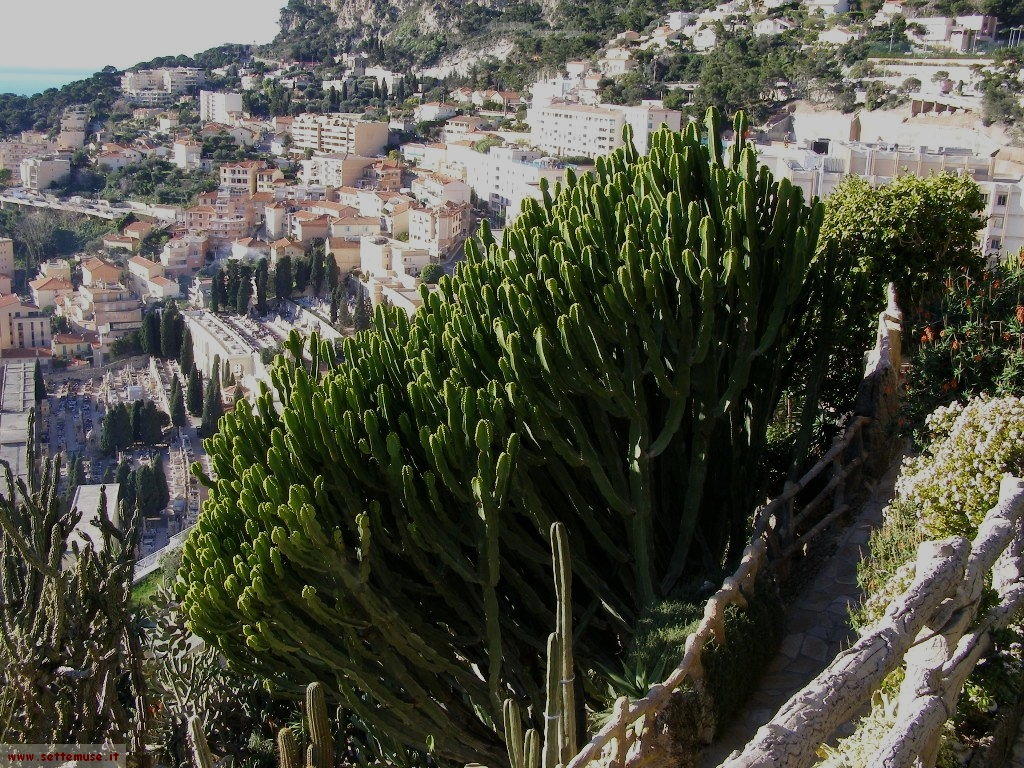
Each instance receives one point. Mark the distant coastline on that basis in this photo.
(26, 82)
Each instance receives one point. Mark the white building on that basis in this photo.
(219, 106)
(336, 169)
(188, 154)
(434, 110)
(158, 87)
(506, 176)
(827, 7)
(38, 173)
(818, 175)
(577, 130)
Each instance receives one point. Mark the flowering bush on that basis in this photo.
(972, 344)
(956, 480)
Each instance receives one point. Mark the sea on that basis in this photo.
(26, 82)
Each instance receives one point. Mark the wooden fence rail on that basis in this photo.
(625, 740)
(932, 629)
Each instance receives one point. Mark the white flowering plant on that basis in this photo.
(946, 490)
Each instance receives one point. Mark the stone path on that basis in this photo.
(817, 628)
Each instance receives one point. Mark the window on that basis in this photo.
(1001, 199)
(995, 244)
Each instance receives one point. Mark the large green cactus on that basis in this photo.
(612, 365)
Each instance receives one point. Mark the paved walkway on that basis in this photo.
(817, 628)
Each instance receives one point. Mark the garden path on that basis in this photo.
(817, 628)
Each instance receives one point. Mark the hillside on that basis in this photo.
(420, 32)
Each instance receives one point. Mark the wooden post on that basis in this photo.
(620, 715)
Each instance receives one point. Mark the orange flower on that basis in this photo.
(955, 345)
(1020, 314)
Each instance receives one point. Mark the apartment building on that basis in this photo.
(506, 176)
(219, 106)
(39, 173)
(390, 271)
(7, 264)
(188, 154)
(74, 124)
(819, 174)
(47, 290)
(336, 169)
(184, 255)
(241, 178)
(439, 229)
(14, 152)
(109, 309)
(159, 87)
(22, 326)
(578, 130)
(96, 270)
(435, 189)
(338, 133)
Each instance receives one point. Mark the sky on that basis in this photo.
(89, 34)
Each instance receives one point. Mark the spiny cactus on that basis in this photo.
(559, 745)
(69, 647)
(319, 753)
(613, 364)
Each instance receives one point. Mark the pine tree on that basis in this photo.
(186, 356)
(177, 405)
(194, 392)
(212, 408)
(40, 383)
(283, 279)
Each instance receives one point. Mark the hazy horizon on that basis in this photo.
(90, 35)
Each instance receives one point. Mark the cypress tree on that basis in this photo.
(177, 405)
(149, 335)
(40, 383)
(283, 279)
(150, 430)
(243, 294)
(194, 392)
(262, 277)
(316, 272)
(185, 354)
(301, 275)
(363, 313)
(212, 408)
(333, 272)
(163, 491)
(146, 495)
(170, 340)
(214, 296)
(135, 420)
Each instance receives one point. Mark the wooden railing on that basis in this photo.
(933, 629)
(782, 527)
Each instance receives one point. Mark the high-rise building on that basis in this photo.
(344, 133)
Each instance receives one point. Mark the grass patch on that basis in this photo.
(143, 592)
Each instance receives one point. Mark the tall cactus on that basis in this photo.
(69, 648)
(612, 364)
